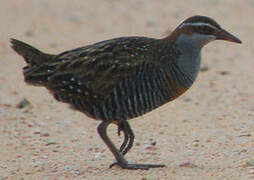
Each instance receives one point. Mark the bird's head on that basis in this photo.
(201, 30)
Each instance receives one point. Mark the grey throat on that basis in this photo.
(190, 47)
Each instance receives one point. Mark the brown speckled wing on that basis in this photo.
(92, 72)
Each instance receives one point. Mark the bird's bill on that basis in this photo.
(225, 35)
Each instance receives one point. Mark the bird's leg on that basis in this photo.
(121, 127)
(128, 136)
(102, 130)
(131, 136)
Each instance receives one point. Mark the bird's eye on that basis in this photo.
(206, 30)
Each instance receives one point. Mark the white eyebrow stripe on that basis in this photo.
(198, 24)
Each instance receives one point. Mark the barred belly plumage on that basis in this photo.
(136, 96)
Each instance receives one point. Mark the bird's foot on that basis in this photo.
(137, 166)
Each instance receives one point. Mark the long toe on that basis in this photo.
(143, 166)
(137, 166)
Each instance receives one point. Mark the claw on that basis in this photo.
(113, 164)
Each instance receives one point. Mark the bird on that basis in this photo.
(119, 79)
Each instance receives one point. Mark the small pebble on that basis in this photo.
(50, 142)
(188, 164)
(149, 147)
(37, 132)
(74, 140)
(224, 72)
(44, 134)
(195, 143)
(204, 69)
(23, 103)
(18, 156)
(245, 135)
(137, 144)
(153, 143)
(250, 162)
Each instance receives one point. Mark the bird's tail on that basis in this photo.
(31, 55)
(36, 71)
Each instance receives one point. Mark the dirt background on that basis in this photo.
(208, 133)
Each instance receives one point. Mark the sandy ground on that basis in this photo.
(208, 133)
